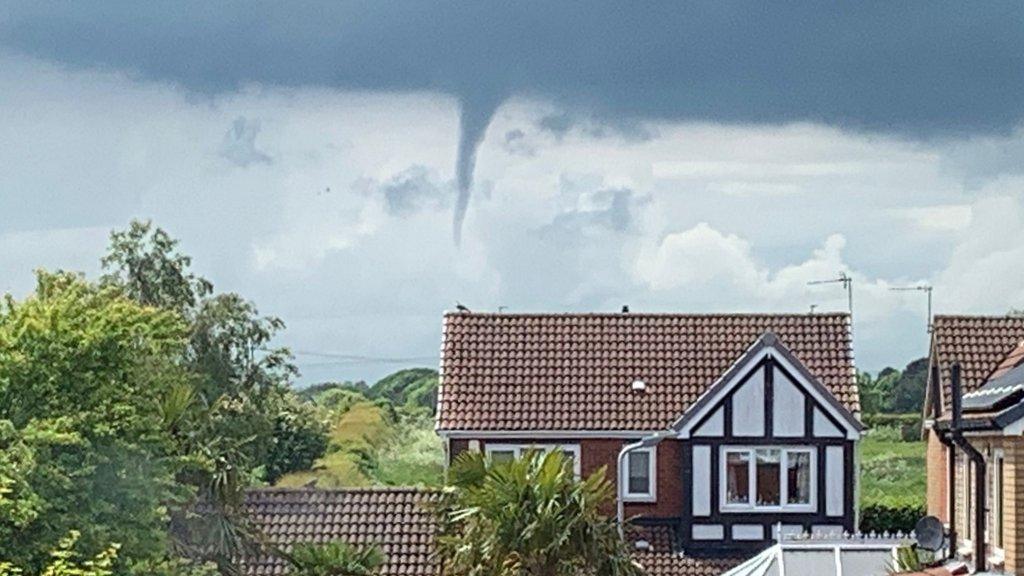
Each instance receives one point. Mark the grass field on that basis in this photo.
(891, 471)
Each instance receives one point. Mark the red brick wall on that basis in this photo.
(595, 453)
(937, 471)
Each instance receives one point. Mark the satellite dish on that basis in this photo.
(929, 533)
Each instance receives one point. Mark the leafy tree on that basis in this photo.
(82, 443)
(908, 391)
(236, 421)
(894, 391)
(412, 387)
(145, 263)
(64, 561)
(333, 559)
(529, 517)
(298, 440)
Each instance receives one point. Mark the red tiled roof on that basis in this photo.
(573, 371)
(659, 559)
(400, 521)
(394, 519)
(1011, 361)
(979, 343)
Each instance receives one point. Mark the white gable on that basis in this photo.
(744, 388)
(748, 406)
(788, 413)
(714, 426)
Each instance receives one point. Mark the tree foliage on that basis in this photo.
(135, 410)
(238, 422)
(144, 262)
(64, 561)
(82, 371)
(894, 391)
(529, 517)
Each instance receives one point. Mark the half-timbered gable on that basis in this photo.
(766, 444)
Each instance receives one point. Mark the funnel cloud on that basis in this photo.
(474, 117)
(919, 71)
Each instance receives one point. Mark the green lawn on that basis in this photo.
(891, 472)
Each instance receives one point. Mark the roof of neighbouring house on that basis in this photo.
(402, 523)
(563, 372)
(393, 518)
(659, 559)
(979, 343)
(998, 401)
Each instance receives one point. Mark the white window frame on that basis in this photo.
(967, 473)
(996, 506)
(652, 473)
(518, 449)
(751, 506)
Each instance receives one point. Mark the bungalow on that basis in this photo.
(401, 521)
(714, 428)
(973, 462)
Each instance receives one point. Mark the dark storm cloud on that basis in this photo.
(913, 68)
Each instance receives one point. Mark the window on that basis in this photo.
(777, 479)
(509, 452)
(639, 477)
(997, 499)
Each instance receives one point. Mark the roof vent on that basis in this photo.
(642, 545)
(639, 385)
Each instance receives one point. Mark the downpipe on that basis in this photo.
(957, 436)
(621, 478)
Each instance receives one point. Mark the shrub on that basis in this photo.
(909, 425)
(890, 517)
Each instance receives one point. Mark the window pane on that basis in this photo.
(502, 456)
(639, 479)
(798, 477)
(768, 475)
(737, 477)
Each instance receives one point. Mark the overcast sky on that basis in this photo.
(322, 159)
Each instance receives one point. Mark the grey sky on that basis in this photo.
(705, 156)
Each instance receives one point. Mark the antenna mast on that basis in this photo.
(847, 282)
(927, 289)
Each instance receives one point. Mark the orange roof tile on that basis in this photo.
(979, 343)
(396, 519)
(574, 371)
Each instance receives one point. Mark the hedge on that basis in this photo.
(880, 518)
(909, 425)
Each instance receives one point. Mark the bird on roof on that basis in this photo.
(461, 308)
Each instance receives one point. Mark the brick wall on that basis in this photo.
(937, 476)
(598, 452)
(1013, 497)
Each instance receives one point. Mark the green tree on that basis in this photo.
(529, 517)
(64, 561)
(908, 390)
(236, 422)
(411, 387)
(333, 559)
(145, 263)
(82, 444)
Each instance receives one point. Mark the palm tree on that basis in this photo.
(333, 559)
(529, 517)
